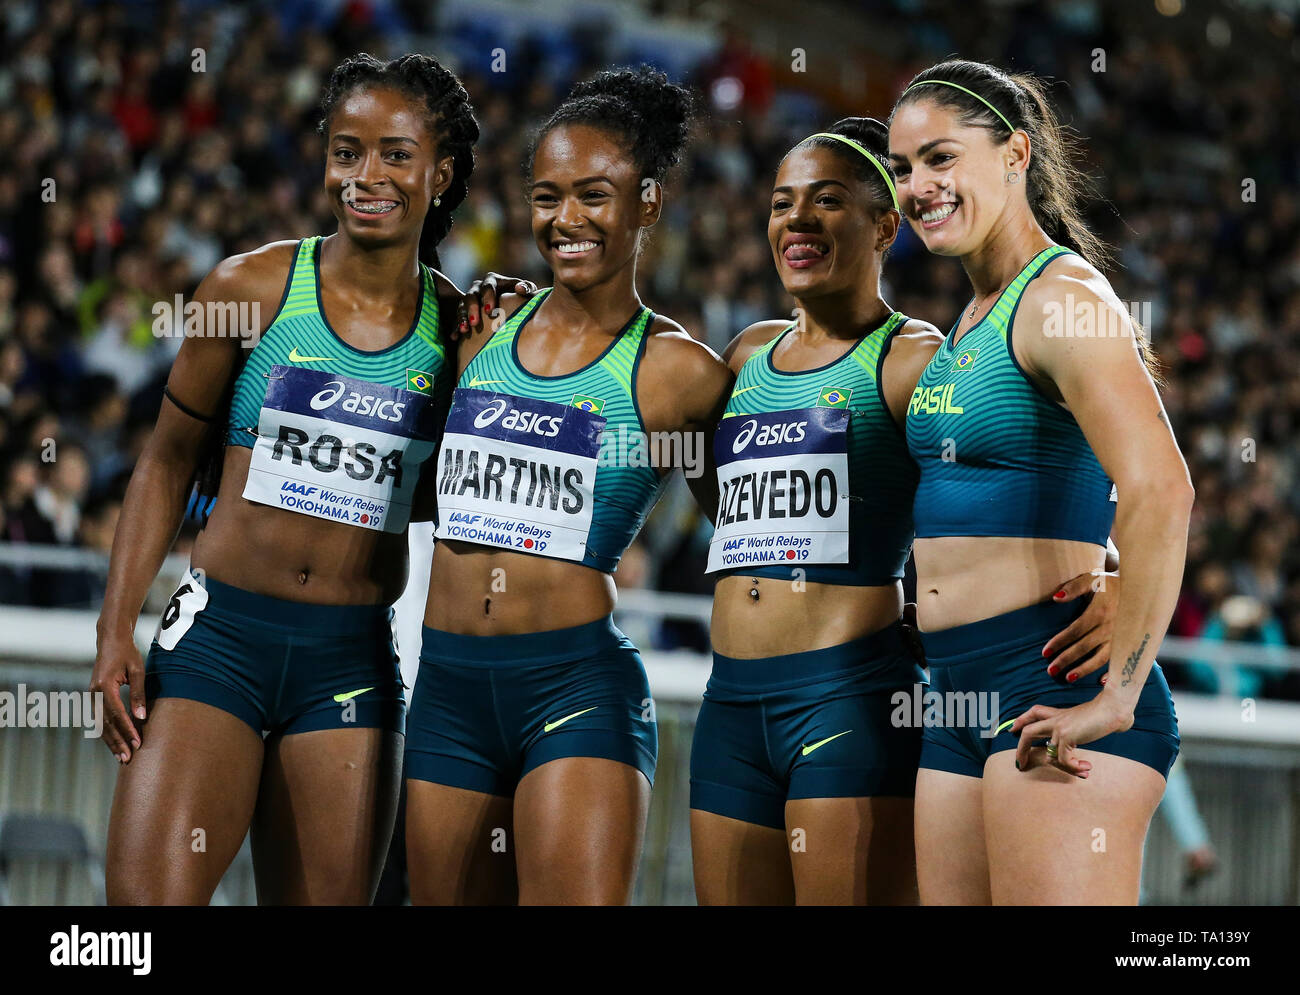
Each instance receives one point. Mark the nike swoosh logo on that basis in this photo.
(816, 746)
(753, 386)
(340, 698)
(1005, 725)
(559, 722)
(476, 382)
(294, 357)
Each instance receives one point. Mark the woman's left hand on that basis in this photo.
(1083, 646)
(1065, 729)
(482, 300)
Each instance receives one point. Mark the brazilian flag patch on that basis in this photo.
(834, 397)
(965, 360)
(594, 405)
(419, 381)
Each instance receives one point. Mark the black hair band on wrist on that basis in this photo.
(185, 407)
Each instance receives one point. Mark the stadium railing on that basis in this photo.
(1243, 756)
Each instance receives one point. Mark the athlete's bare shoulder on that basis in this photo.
(259, 275)
(680, 365)
(672, 345)
(204, 364)
(1070, 323)
(468, 342)
(910, 351)
(1068, 277)
(757, 335)
(1070, 309)
(916, 340)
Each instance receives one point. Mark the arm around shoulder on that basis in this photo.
(910, 351)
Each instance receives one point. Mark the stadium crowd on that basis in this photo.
(131, 174)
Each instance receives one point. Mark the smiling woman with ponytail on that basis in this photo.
(1031, 446)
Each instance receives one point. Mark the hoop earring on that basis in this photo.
(437, 201)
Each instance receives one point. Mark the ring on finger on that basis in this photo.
(1052, 750)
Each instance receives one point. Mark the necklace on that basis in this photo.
(976, 306)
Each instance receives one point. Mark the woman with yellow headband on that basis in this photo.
(806, 748)
(1036, 425)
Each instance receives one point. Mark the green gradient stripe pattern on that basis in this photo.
(882, 476)
(299, 325)
(997, 457)
(624, 493)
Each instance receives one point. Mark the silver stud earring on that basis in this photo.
(437, 201)
(1013, 177)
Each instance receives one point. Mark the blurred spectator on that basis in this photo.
(1240, 618)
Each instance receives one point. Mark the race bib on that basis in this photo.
(341, 449)
(190, 599)
(518, 473)
(783, 481)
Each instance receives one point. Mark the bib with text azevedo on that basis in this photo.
(518, 473)
(783, 489)
(341, 449)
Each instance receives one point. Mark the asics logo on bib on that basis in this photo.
(547, 426)
(362, 404)
(768, 435)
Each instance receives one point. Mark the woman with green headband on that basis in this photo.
(1036, 426)
(806, 748)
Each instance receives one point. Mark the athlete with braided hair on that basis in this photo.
(532, 739)
(271, 696)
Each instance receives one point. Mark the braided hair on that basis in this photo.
(450, 116)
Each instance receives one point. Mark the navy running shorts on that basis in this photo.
(281, 666)
(818, 724)
(486, 710)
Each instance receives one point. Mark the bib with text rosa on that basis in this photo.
(341, 449)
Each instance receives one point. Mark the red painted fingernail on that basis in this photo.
(1105, 678)
(473, 319)
(463, 326)
(1045, 653)
(1052, 670)
(1072, 677)
(1058, 595)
